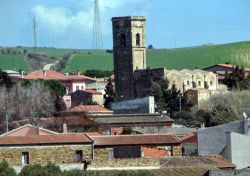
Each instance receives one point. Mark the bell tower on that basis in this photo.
(129, 47)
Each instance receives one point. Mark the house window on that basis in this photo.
(188, 83)
(211, 83)
(123, 40)
(79, 156)
(25, 158)
(82, 88)
(77, 87)
(199, 83)
(137, 39)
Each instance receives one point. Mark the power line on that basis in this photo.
(97, 42)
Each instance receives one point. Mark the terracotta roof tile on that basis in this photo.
(190, 138)
(46, 75)
(114, 140)
(53, 75)
(231, 66)
(220, 161)
(45, 139)
(89, 108)
(29, 130)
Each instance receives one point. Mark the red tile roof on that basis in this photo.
(29, 130)
(190, 138)
(91, 91)
(116, 140)
(45, 139)
(94, 134)
(220, 161)
(53, 75)
(155, 152)
(45, 74)
(89, 108)
(230, 66)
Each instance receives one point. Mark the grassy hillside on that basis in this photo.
(200, 57)
(97, 60)
(12, 62)
(192, 57)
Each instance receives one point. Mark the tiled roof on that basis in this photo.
(176, 131)
(228, 66)
(89, 108)
(231, 66)
(198, 161)
(53, 75)
(45, 74)
(190, 138)
(116, 140)
(94, 134)
(45, 139)
(29, 130)
(132, 118)
(91, 91)
(220, 161)
(79, 77)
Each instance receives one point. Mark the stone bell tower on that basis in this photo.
(129, 47)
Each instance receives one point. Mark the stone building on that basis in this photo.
(32, 145)
(129, 46)
(133, 79)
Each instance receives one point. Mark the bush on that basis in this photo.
(6, 170)
(38, 170)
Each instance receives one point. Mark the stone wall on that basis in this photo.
(177, 150)
(43, 154)
(144, 78)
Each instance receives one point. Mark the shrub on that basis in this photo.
(6, 170)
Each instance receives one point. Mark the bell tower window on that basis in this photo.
(137, 39)
(123, 40)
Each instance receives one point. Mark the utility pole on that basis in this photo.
(97, 42)
(34, 33)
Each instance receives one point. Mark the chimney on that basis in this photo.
(78, 73)
(44, 73)
(22, 74)
(65, 130)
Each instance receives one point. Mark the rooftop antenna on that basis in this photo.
(97, 42)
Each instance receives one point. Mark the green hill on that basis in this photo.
(190, 58)
(13, 62)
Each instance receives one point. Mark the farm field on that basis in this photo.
(190, 58)
(13, 62)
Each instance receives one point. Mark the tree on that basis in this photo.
(236, 78)
(159, 90)
(151, 46)
(5, 79)
(165, 98)
(224, 108)
(32, 102)
(56, 88)
(110, 95)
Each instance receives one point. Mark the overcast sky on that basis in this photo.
(170, 23)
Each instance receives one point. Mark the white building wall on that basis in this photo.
(78, 86)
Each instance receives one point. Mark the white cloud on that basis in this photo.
(61, 19)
